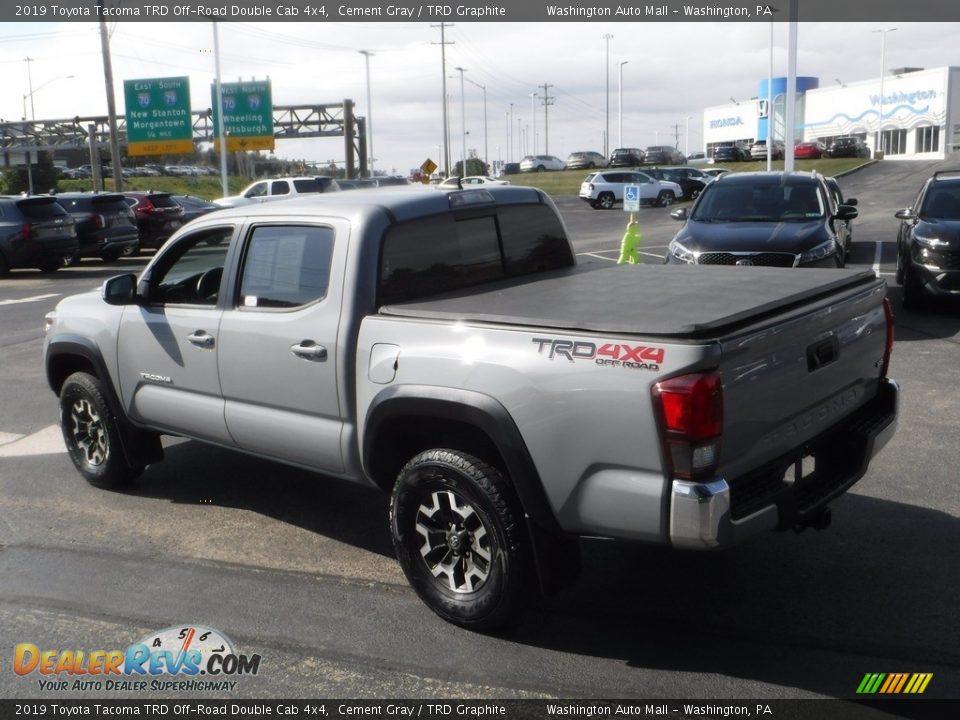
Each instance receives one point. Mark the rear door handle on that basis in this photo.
(201, 339)
(309, 350)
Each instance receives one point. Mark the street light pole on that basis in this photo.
(883, 48)
(533, 119)
(620, 106)
(606, 135)
(463, 125)
(486, 156)
(366, 58)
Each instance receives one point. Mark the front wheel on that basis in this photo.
(606, 200)
(91, 433)
(666, 198)
(457, 531)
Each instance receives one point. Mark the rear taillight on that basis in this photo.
(26, 230)
(146, 206)
(689, 412)
(888, 346)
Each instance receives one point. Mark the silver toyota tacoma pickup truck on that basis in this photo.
(447, 348)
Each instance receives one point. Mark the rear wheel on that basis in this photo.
(49, 266)
(541, 168)
(606, 200)
(91, 433)
(457, 531)
(666, 198)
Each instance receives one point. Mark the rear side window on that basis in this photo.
(286, 266)
(443, 253)
(162, 201)
(41, 208)
(307, 186)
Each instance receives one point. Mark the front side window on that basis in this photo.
(286, 266)
(189, 273)
(258, 190)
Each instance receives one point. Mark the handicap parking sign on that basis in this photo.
(631, 198)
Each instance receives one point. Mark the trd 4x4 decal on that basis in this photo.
(635, 357)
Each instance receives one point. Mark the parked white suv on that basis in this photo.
(541, 163)
(605, 189)
(278, 189)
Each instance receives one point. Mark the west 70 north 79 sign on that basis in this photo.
(247, 115)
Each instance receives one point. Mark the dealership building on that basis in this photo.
(920, 111)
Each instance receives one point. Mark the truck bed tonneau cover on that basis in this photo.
(638, 299)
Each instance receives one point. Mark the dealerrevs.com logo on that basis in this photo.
(180, 658)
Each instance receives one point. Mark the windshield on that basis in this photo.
(942, 203)
(746, 202)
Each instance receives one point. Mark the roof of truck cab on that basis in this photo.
(401, 202)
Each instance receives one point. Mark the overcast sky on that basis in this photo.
(674, 70)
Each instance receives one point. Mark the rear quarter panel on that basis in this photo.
(586, 418)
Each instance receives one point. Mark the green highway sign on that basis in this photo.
(247, 115)
(158, 116)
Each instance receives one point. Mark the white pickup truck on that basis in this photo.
(446, 347)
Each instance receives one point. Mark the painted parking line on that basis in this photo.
(35, 298)
(876, 259)
(48, 441)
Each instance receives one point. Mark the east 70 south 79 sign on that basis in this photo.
(158, 116)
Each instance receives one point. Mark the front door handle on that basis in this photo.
(309, 350)
(201, 339)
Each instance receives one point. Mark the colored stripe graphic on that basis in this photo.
(894, 683)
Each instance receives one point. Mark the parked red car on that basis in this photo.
(814, 149)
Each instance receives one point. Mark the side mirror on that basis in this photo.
(905, 214)
(120, 290)
(847, 212)
(679, 214)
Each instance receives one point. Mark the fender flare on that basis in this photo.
(477, 410)
(140, 447)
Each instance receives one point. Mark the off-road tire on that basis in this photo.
(458, 532)
(91, 433)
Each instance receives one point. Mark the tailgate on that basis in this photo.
(794, 378)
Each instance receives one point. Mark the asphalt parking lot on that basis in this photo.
(299, 568)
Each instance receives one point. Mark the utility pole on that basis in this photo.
(443, 66)
(111, 107)
(510, 154)
(547, 102)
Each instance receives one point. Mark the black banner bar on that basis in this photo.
(481, 709)
(605, 11)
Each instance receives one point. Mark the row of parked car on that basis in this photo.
(50, 231)
(150, 170)
(657, 185)
(808, 149)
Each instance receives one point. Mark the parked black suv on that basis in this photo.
(691, 180)
(158, 216)
(928, 244)
(848, 147)
(35, 231)
(730, 153)
(627, 157)
(776, 219)
(106, 225)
